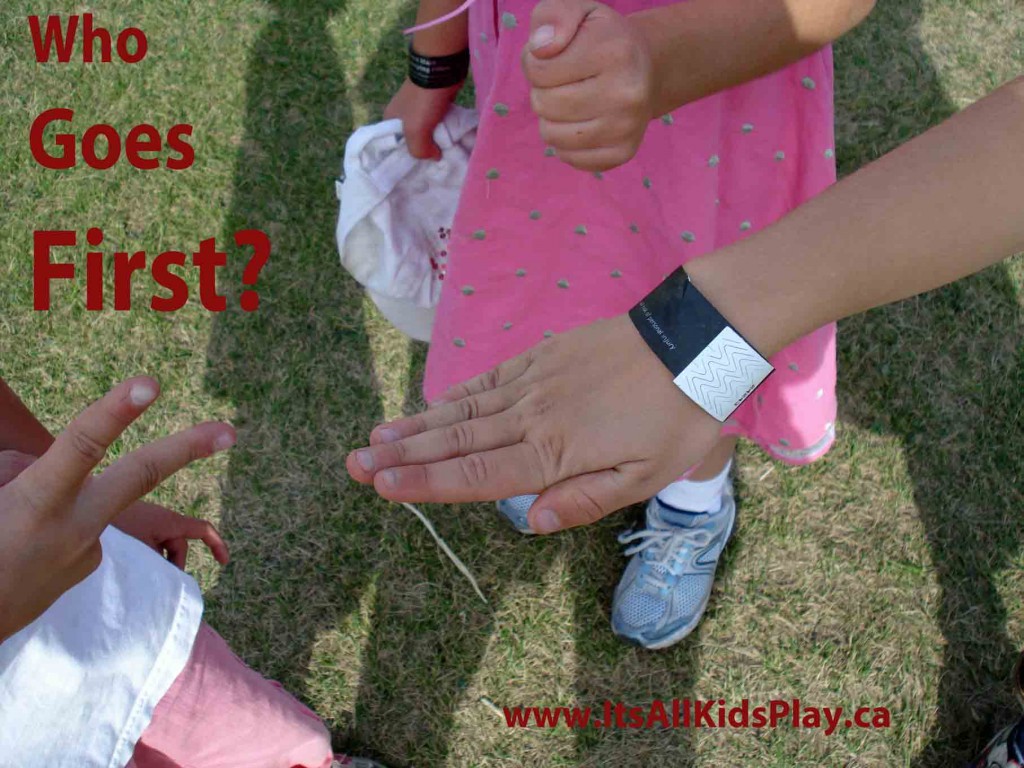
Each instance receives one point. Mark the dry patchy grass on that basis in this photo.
(887, 575)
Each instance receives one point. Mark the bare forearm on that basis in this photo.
(940, 207)
(697, 47)
(19, 429)
(445, 39)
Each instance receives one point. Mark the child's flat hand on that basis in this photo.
(421, 110)
(54, 509)
(168, 533)
(590, 431)
(591, 80)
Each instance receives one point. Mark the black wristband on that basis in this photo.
(438, 71)
(710, 362)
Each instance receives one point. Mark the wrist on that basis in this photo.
(452, 91)
(710, 359)
(745, 287)
(438, 73)
(651, 84)
(671, 70)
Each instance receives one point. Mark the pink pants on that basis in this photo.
(219, 713)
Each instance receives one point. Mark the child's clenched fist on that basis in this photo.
(591, 81)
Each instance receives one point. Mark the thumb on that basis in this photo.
(554, 24)
(421, 144)
(582, 500)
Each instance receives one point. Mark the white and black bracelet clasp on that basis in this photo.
(709, 360)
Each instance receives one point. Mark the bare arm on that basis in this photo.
(940, 207)
(446, 38)
(698, 48)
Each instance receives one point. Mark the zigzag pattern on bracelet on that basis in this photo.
(723, 374)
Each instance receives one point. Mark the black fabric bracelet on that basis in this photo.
(438, 71)
(710, 361)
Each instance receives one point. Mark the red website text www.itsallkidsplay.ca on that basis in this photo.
(700, 713)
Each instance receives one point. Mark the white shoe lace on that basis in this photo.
(664, 547)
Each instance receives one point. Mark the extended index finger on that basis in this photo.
(57, 475)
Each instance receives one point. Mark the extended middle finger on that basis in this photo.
(137, 473)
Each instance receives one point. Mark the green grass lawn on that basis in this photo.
(889, 574)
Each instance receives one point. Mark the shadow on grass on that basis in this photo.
(944, 373)
(298, 371)
(313, 552)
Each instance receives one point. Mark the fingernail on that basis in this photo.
(389, 478)
(542, 36)
(223, 442)
(142, 394)
(365, 460)
(387, 435)
(547, 521)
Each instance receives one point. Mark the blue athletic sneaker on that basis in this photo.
(665, 588)
(514, 510)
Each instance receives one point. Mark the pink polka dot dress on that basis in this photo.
(538, 248)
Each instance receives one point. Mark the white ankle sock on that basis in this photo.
(696, 495)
